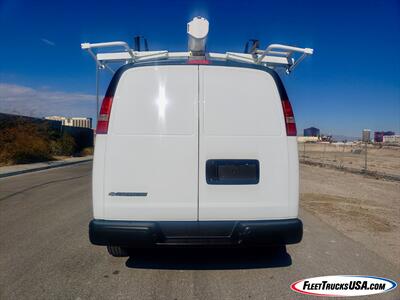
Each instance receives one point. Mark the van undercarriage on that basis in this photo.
(143, 234)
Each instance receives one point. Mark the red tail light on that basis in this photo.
(198, 62)
(104, 116)
(289, 118)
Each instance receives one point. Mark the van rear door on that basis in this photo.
(151, 167)
(243, 156)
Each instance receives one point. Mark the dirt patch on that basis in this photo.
(347, 210)
(364, 209)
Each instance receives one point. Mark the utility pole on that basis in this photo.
(366, 161)
(366, 138)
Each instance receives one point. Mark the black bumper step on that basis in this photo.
(206, 233)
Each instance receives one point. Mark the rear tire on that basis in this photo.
(117, 251)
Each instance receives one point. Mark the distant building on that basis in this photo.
(366, 135)
(393, 139)
(74, 122)
(307, 139)
(326, 138)
(388, 133)
(312, 131)
(378, 135)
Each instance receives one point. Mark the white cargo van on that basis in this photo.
(195, 151)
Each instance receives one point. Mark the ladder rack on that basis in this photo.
(274, 56)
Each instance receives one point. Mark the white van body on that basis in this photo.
(194, 154)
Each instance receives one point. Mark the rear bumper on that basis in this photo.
(203, 233)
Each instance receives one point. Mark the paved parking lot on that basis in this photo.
(45, 253)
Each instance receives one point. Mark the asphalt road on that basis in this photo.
(45, 253)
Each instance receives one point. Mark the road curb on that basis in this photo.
(56, 165)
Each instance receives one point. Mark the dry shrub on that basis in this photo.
(24, 142)
(65, 145)
(87, 151)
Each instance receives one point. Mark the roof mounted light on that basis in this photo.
(197, 30)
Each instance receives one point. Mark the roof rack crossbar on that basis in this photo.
(125, 45)
(100, 64)
(285, 51)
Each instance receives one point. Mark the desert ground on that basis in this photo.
(364, 209)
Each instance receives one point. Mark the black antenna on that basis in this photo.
(254, 46)
(136, 40)
(137, 43)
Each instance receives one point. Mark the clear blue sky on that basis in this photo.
(352, 82)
